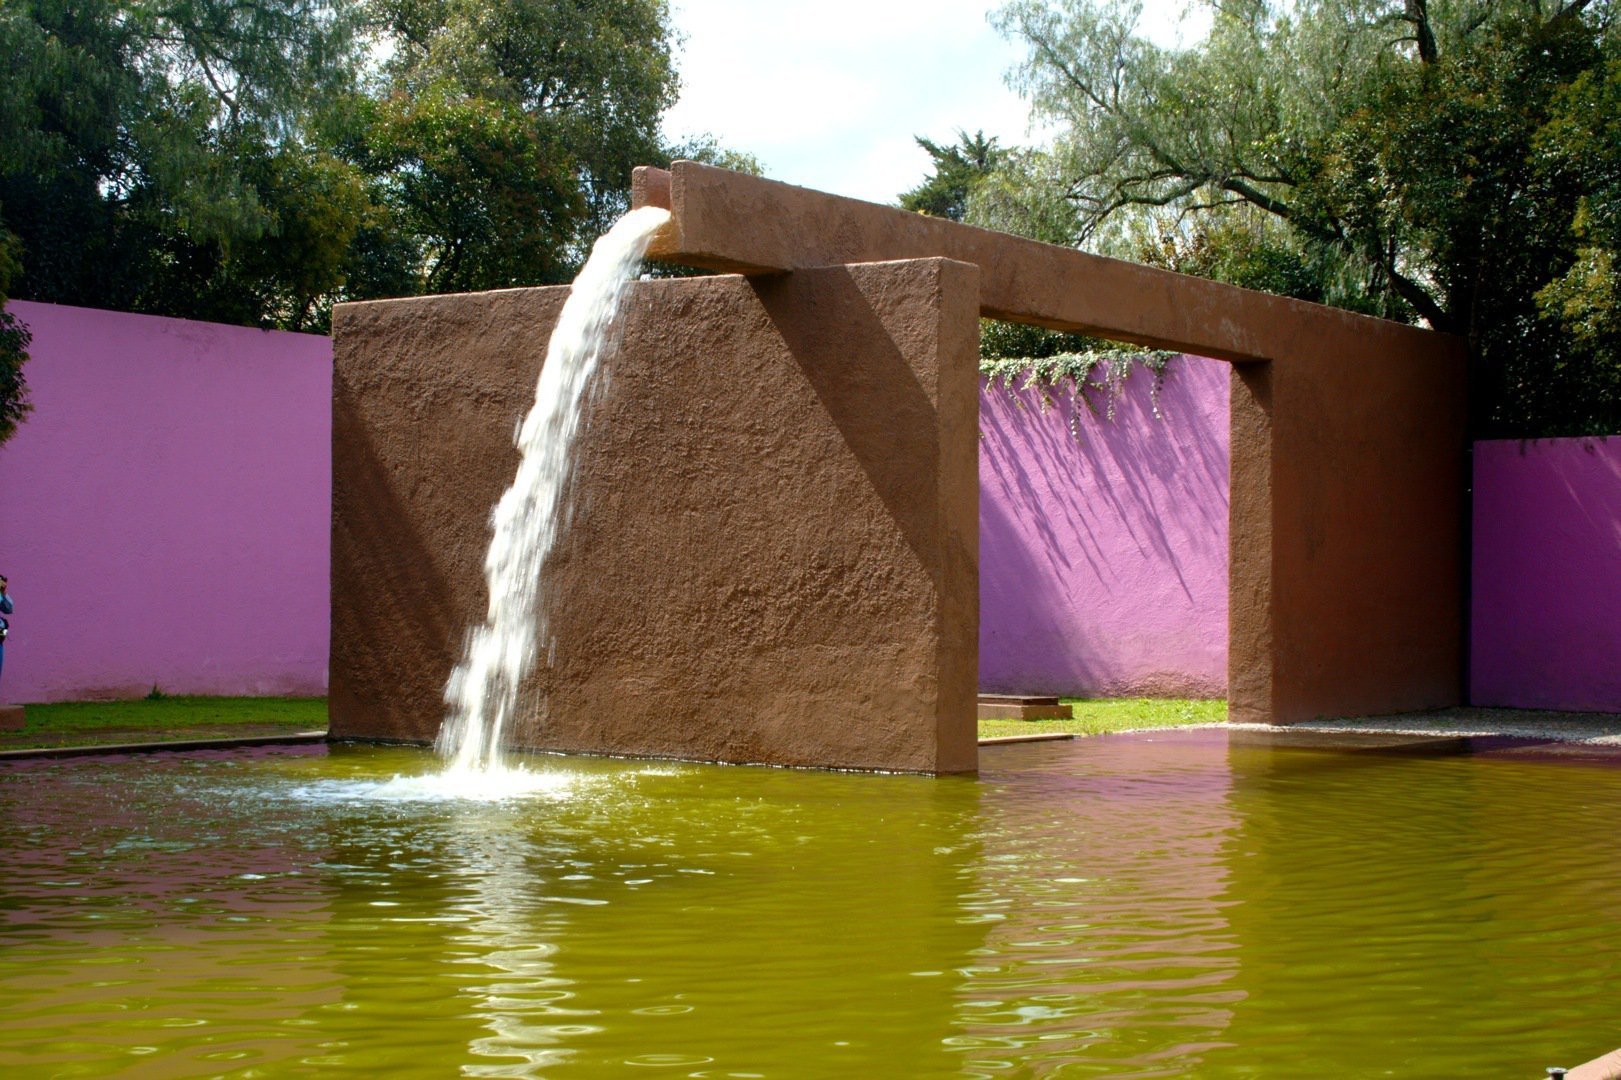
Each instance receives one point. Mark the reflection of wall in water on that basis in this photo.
(164, 914)
(1103, 887)
(761, 918)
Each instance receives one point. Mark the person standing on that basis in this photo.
(5, 627)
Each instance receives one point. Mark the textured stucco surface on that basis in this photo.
(773, 554)
(166, 509)
(1547, 575)
(1103, 541)
(1346, 587)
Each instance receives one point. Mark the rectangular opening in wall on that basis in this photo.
(1103, 540)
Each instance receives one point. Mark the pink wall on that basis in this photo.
(1547, 575)
(164, 516)
(1103, 558)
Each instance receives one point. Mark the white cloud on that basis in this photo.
(829, 94)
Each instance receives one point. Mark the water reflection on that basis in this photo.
(1422, 917)
(1120, 907)
(1104, 883)
(173, 946)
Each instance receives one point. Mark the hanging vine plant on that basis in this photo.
(1092, 377)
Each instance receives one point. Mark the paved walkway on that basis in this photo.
(1601, 729)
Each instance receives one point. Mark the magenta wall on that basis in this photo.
(1103, 550)
(164, 515)
(1546, 621)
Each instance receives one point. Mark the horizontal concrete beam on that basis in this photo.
(736, 223)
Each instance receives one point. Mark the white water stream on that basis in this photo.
(483, 690)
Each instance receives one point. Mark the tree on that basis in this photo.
(957, 171)
(135, 134)
(505, 134)
(256, 161)
(1393, 144)
(14, 340)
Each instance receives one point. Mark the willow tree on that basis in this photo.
(1400, 152)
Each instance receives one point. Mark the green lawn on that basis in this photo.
(82, 723)
(1099, 716)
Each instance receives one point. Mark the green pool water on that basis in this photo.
(1165, 905)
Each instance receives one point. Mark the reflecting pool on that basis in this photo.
(1128, 906)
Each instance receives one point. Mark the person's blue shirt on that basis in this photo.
(5, 609)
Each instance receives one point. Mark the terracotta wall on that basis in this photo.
(773, 552)
(1547, 575)
(1346, 584)
(1103, 541)
(164, 514)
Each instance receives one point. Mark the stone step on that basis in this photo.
(1017, 699)
(1022, 707)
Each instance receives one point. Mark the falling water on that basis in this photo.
(483, 690)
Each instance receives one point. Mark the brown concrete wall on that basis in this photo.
(747, 224)
(1347, 433)
(774, 552)
(1366, 528)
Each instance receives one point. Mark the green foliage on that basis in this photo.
(1254, 250)
(1442, 162)
(1580, 149)
(506, 133)
(485, 198)
(1096, 372)
(1000, 341)
(14, 339)
(136, 139)
(708, 150)
(14, 404)
(958, 170)
(255, 161)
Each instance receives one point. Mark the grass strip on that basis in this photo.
(1101, 716)
(85, 723)
(162, 719)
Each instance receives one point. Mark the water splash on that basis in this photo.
(483, 690)
(449, 786)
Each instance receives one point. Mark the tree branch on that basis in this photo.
(1417, 12)
(1568, 12)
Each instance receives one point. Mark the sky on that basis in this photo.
(829, 93)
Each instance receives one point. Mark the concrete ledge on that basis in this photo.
(299, 739)
(1607, 1067)
(1009, 740)
(384, 740)
(1025, 712)
(1365, 741)
(1022, 707)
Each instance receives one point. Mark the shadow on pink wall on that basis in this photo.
(1103, 542)
(1546, 623)
(166, 512)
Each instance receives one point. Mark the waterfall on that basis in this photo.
(482, 694)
